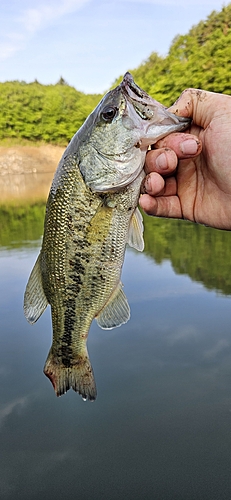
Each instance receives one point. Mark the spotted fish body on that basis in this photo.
(91, 216)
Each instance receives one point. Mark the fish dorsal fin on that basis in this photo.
(35, 301)
(135, 232)
(116, 311)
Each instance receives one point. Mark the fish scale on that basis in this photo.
(91, 216)
(88, 283)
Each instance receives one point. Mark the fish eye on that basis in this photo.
(108, 113)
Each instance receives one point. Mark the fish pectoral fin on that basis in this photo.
(135, 232)
(35, 301)
(116, 312)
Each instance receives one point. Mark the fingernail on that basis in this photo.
(161, 162)
(189, 147)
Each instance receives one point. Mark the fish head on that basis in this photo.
(113, 141)
(153, 120)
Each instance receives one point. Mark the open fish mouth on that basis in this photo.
(129, 86)
(145, 108)
(156, 121)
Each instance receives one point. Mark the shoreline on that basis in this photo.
(26, 172)
(29, 159)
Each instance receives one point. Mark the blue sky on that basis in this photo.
(90, 42)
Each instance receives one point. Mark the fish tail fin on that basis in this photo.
(78, 375)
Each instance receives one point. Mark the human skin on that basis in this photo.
(189, 174)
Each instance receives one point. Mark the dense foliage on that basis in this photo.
(53, 113)
(50, 113)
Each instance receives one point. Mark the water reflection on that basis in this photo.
(202, 253)
(162, 419)
(160, 427)
(25, 188)
(26, 173)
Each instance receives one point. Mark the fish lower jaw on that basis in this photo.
(78, 375)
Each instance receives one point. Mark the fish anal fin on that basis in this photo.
(116, 311)
(35, 301)
(135, 232)
(78, 375)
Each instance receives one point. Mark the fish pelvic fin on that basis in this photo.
(78, 375)
(35, 301)
(116, 312)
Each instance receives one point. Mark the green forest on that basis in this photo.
(53, 113)
(48, 113)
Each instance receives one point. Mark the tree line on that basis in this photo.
(53, 113)
(48, 113)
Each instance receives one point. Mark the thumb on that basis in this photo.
(200, 105)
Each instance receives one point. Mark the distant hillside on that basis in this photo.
(200, 59)
(53, 113)
(48, 113)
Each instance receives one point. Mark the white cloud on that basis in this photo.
(14, 41)
(7, 50)
(220, 346)
(8, 408)
(183, 334)
(34, 19)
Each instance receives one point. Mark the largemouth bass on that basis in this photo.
(91, 216)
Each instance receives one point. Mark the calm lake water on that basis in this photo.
(161, 425)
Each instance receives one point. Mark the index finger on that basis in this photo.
(183, 144)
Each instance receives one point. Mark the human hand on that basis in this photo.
(189, 174)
